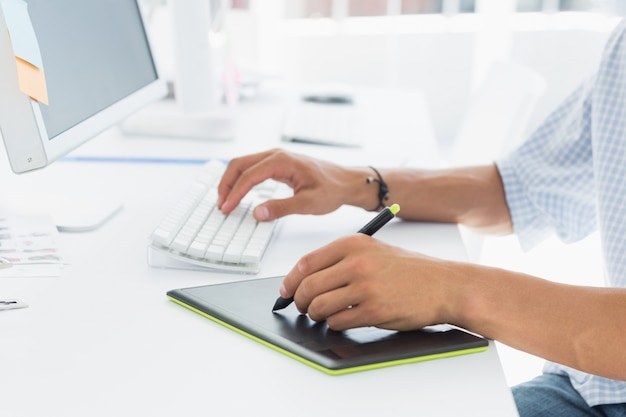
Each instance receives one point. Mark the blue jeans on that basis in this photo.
(552, 395)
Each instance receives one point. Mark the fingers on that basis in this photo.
(240, 176)
(307, 178)
(312, 266)
(341, 309)
(348, 318)
(244, 173)
(320, 281)
(300, 203)
(359, 281)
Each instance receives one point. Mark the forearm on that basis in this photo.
(581, 327)
(472, 196)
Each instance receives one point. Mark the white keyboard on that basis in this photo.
(325, 124)
(196, 232)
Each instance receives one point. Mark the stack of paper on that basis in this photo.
(30, 245)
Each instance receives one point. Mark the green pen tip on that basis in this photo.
(394, 209)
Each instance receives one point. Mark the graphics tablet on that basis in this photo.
(246, 307)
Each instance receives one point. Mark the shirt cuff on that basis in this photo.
(530, 224)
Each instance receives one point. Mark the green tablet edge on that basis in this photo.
(334, 371)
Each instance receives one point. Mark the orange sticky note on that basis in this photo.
(32, 81)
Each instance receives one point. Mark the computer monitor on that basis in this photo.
(98, 69)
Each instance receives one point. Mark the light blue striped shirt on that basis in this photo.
(569, 178)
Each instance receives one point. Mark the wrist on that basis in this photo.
(363, 189)
(383, 189)
(461, 303)
(476, 295)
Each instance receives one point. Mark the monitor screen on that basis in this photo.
(98, 70)
(102, 58)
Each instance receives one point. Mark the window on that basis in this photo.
(612, 7)
(360, 8)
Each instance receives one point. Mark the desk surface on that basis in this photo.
(103, 339)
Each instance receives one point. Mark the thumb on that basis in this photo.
(262, 213)
(274, 209)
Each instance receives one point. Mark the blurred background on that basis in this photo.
(443, 47)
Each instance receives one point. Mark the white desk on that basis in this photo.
(103, 339)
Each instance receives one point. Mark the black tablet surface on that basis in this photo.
(246, 307)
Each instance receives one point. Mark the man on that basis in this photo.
(568, 178)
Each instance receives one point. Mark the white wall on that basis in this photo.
(563, 57)
(445, 56)
(436, 63)
(441, 55)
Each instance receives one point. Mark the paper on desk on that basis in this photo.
(30, 243)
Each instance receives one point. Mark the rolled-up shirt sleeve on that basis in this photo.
(548, 180)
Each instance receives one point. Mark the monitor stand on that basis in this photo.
(82, 214)
(165, 118)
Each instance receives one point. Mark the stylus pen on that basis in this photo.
(369, 229)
